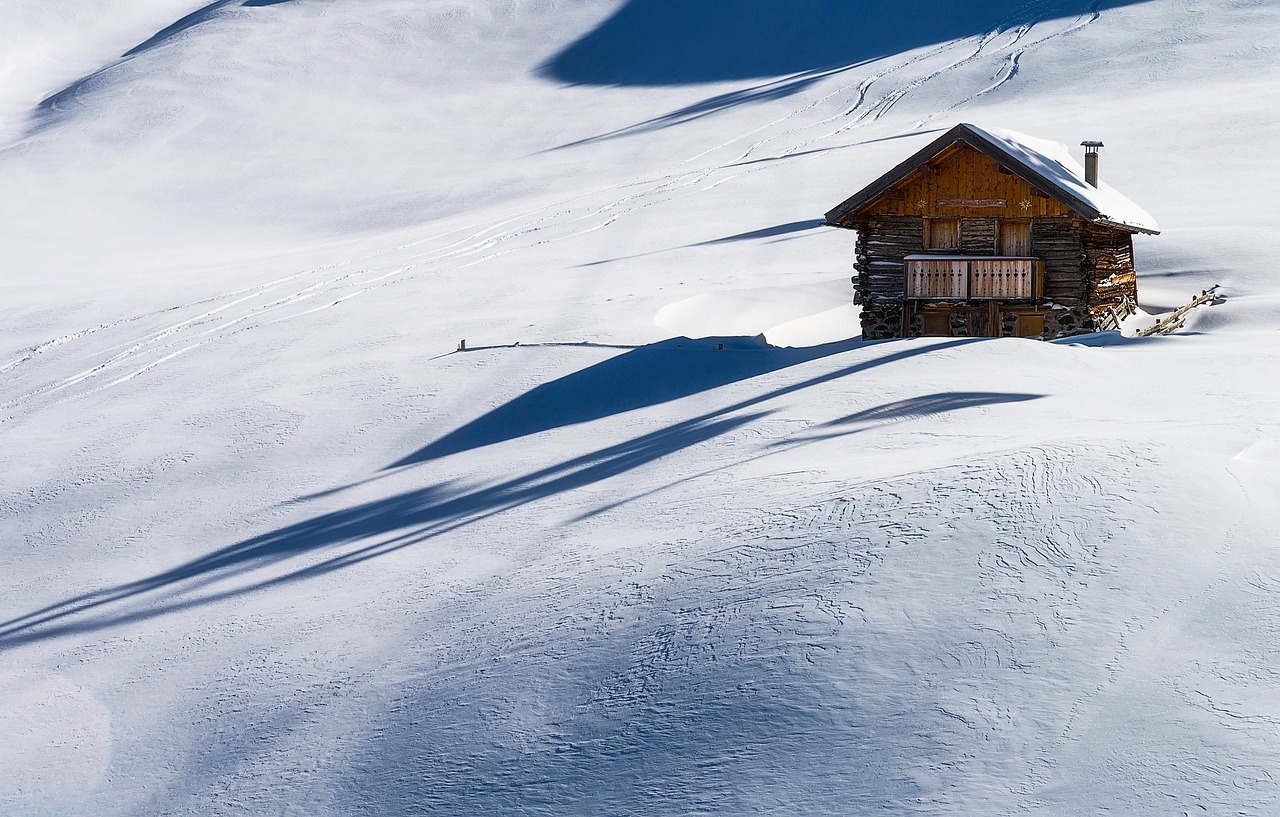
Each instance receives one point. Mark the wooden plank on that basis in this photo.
(960, 175)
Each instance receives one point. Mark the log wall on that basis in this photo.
(884, 242)
(1059, 243)
(978, 236)
(1112, 284)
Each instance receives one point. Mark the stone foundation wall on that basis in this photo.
(970, 319)
(881, 319)
(1061, 322)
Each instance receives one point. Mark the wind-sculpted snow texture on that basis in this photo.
(271, 542)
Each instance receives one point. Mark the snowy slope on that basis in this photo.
(270, 545)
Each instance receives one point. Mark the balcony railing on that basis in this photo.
(969, 277)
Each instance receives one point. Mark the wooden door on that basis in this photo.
(936, 324)
(1030, 325)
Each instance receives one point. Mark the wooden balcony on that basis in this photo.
(974, 277)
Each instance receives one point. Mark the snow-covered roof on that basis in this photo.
(1045, 163)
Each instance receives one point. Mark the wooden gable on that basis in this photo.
(969, 172)
(962, 182)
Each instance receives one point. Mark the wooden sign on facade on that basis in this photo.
(973, 202)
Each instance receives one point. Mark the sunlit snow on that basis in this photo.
(435, 408)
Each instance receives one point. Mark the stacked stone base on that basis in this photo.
(883, 319)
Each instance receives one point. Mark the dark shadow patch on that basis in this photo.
(372, 529)
(800, 153)
(767, 232)
(788, 229)
(647, 376)
(390, 524)
(913, 408)
(931, 404)
(167, 33)
(674, 42)
(777, 89)
(58, 102)
(644, 376)
(1114, 338)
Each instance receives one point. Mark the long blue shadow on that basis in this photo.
(788, 229)
(912, 408)
(767, 232)
(386, 524)
(643, 376)
(195, 18)
(673, 42)
(774, 89)
(372, 529)
(175, 28)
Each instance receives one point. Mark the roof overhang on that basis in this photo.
(1056, 176)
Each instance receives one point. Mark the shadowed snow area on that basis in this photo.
(665, 42)
(416, 407)
(646, 376)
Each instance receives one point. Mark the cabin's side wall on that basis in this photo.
(1113, 283)
(1060, 243)
(884, 242)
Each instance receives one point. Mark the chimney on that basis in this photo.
(1091, 149)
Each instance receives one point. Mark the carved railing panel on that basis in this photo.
(936, 277)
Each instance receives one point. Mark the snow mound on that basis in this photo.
(790, 316)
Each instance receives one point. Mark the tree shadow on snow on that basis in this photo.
(910, 409)
(767, 232)
(383, 525)
(673, 42)
(343, 538)
(774, 89)
(791, 230)
(642, 376)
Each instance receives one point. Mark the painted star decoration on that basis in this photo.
(1025, 205)
(921, 204)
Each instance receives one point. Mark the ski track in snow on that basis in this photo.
(226, 315)
(581, 676)
(630, 659)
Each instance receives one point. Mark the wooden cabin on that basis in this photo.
(991, 233)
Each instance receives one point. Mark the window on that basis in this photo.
(1015, 238)
(942, 234)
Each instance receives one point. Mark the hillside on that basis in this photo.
(271, 544)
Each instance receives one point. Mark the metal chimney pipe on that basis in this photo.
(1091, 149)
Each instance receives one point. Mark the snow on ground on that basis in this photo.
(662, 539)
